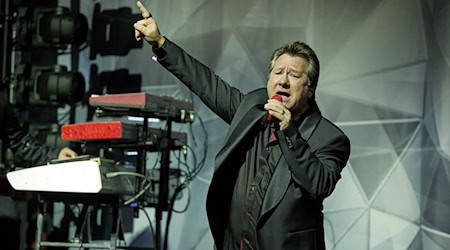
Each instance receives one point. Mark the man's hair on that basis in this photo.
(302, 50)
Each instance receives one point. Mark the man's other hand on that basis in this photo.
(65, 153)
(147, 28)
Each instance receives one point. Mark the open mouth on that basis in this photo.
(284, 95)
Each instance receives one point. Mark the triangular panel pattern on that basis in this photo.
(357, 237)
(273, 18)
(195, 24)
(411, 162)
(400, 133)
(342, 110)
(432, 116)
(347, 195)
(341, 29)
(407, 82)
(255, 40)
(437, 205)
(288, 27)
(441, 19)
(390, 232)
(207, 47)
(230, 63)
(417, 243)
(397, 198)
(372, 155)
(393, 28)
(421, 158)
(433, 242)
(185, 14)
(337, 224)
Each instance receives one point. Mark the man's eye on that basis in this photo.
(295, 76)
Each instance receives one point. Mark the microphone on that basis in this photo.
(276, 97)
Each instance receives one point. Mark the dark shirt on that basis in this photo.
(251, 185)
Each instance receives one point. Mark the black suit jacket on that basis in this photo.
(313, 156)
(28, 151)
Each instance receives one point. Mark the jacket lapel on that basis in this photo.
(250, 112)
(237, 133)
(281, 177)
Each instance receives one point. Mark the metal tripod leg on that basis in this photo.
(39, 225)
(116, 230)
(82, 220)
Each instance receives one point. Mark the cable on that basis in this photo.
(201, 164)
(134, 198)
(191, 175)
(187, 203)
(184, 163)
(138, 195)
(169, 213)
(115, 174)
(152, 230)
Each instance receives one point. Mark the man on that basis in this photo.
(280, 157)
(30, 152)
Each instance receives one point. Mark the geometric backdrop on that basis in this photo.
(385, 81)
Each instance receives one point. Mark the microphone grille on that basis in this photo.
(277, 97)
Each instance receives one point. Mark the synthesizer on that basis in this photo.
(143, 104)
(90, 178)
(114, 132)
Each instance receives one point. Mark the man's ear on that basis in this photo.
(310, 93)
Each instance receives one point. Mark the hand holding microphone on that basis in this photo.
(270, 116)
(278, 112)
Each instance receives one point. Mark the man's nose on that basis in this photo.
(284, 81)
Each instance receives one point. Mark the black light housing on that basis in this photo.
(112, 32)
(50, 27)
(48, 85)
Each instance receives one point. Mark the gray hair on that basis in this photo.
(302, 50)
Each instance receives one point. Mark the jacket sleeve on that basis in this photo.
(27, 149)
(315, 168)
(217, 94)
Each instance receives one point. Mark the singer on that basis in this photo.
(280, 157)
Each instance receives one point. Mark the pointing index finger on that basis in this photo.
(144, 12)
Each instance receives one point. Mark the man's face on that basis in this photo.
(288, 78)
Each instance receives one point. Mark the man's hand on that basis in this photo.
(279, 111)
(65, 153)
(147, 28)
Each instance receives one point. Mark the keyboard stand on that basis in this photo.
(82, 225)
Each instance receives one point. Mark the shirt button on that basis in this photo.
(262, 168)
(248, 213)
(252, 188)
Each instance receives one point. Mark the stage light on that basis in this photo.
(47, 85)
(49, 27)
(111, 33)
